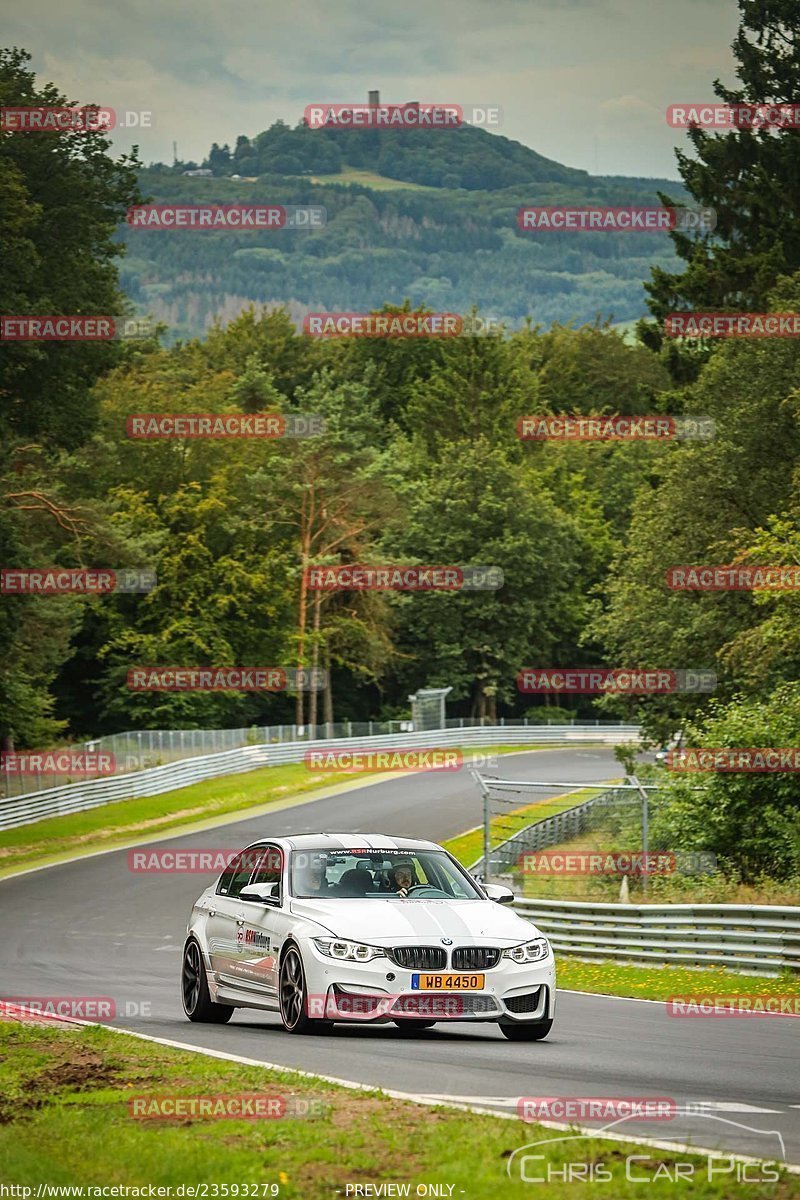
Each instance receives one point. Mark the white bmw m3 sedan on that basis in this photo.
(355, 927)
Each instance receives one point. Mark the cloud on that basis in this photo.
(575, 79)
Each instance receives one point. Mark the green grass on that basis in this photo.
(64, 1120)
(677, 888)
(370, 179)
(126, 822)
(659, 983)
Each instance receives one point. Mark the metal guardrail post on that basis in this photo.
(645, 832)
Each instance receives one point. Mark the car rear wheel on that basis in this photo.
(526, 1033)
(197, 1002)
(293, 997)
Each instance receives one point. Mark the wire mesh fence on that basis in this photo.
(519, 825)
(600, 845)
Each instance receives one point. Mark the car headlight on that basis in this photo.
(348, 951)
(528, 951)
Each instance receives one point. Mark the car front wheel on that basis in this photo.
(197, 1002)
(294, 997)
(527, 1033)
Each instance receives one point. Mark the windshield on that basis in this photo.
(379, 875)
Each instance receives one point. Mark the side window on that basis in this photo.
(270, 867)
(236, 874)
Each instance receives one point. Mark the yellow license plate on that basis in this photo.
(425, 982)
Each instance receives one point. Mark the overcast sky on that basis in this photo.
(585, 82)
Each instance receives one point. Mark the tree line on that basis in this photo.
(419, 463)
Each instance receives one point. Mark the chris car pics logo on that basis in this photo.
(566, 1158)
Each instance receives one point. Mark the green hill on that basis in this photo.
(464, 157)
(428, 215)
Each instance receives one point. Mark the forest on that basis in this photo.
(420, 460)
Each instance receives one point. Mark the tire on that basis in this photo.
(527, 1033)
(410, 1026)
(195, 996)
(293, 997)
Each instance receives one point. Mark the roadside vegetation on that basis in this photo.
(67, 1096)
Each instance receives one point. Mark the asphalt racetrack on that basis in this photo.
(92, 927)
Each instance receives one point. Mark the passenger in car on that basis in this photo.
(312, 879)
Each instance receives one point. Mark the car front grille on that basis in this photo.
(441, 1005)
(419, 958)
(475, 958)
(527, 1003)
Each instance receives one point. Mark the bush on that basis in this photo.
(751, 821)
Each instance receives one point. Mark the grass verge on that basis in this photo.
(64, 1120)
(676, 888)
(659, 983)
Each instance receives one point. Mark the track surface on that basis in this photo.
(93, 928)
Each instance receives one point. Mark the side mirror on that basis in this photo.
(264, 893)
(499, 893)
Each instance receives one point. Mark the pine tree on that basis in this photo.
(751, 178)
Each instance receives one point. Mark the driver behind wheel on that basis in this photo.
(402, 878)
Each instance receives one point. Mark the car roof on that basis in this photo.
(349, 841)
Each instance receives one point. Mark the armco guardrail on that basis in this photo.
(139, 749)
(75, 797)
(762, 938)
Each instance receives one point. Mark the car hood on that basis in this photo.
(384, 922)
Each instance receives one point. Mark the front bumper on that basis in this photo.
(379, 991)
